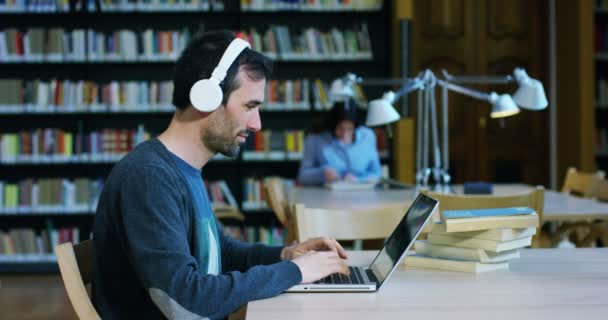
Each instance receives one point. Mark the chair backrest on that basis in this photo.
(581, 183)
(76, 266)
(600, 191)
(534, 199)
(275, 194)
(346, 225)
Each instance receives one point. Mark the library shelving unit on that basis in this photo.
(601, 82)
(81, 86)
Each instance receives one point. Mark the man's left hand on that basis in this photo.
(315, 244)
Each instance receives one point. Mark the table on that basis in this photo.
(542, 284)
(558, 206)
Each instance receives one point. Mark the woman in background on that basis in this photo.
(343, 151)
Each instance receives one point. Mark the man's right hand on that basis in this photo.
(330, 175)
(316, 265)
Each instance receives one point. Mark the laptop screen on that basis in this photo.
(402, 237)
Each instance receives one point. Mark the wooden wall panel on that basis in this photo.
(444, 18)
(486, 37)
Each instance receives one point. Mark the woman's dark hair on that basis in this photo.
(342, 110)
(202, 55)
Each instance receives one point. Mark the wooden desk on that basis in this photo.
(558, 206)
(543, 284)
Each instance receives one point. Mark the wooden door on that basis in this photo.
(486, 37)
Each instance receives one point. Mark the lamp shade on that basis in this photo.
(340, 91)
(530, 94)
(502, 105)
(381, 111)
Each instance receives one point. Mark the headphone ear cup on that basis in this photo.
(206, 95)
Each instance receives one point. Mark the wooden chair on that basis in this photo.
(598, 230)
(601, 191)
(275, 194)
(581, 183)
(345, 225)
(533, 199)
(76, 266)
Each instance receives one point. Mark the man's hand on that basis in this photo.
(318, 265)
(350, 178)
(314, 244)
(330, 175)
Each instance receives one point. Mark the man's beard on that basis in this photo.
(219, 139)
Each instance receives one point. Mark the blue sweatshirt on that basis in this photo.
(153, 249)
(359, 158)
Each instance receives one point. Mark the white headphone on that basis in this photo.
(206, 94)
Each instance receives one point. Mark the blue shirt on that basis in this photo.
(359, 158)
(206, 229)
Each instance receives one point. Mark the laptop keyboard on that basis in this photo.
(338, 278)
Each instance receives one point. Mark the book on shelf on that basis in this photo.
(422, 262)
(32, 245)
(254, 198)
(473, 243)
(274, 145)
(311, 44)
(287, 95)
(58, 146)
(424, 248)
(311, 5)
(322, 101)
(63, 6)
(40, 6)
(49, 195)
(160, 6)
(253, 234)
(67, 96)
(502, 234)
(220, 193)
(82, 45)
(89, 45)
(489, 220)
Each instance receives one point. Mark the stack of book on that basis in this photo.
(476, 240)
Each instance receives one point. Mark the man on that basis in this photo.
(158, 249)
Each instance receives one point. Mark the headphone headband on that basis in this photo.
(232, 52)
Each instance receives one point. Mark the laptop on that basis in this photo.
(370, 278)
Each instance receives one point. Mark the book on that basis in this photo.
(344, 185)
(424, 248)
(490, 245)
(493, 222)
(452, 265)
(489, 212)
(502, 234)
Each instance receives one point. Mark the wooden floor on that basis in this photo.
(34, 297)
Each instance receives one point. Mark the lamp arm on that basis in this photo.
(419, 133)
(445, 128)
(464, 90)
(478, 79)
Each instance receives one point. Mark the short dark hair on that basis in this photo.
(342, 110)
(202, 55)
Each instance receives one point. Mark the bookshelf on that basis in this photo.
(601, 82)
(102, 102)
